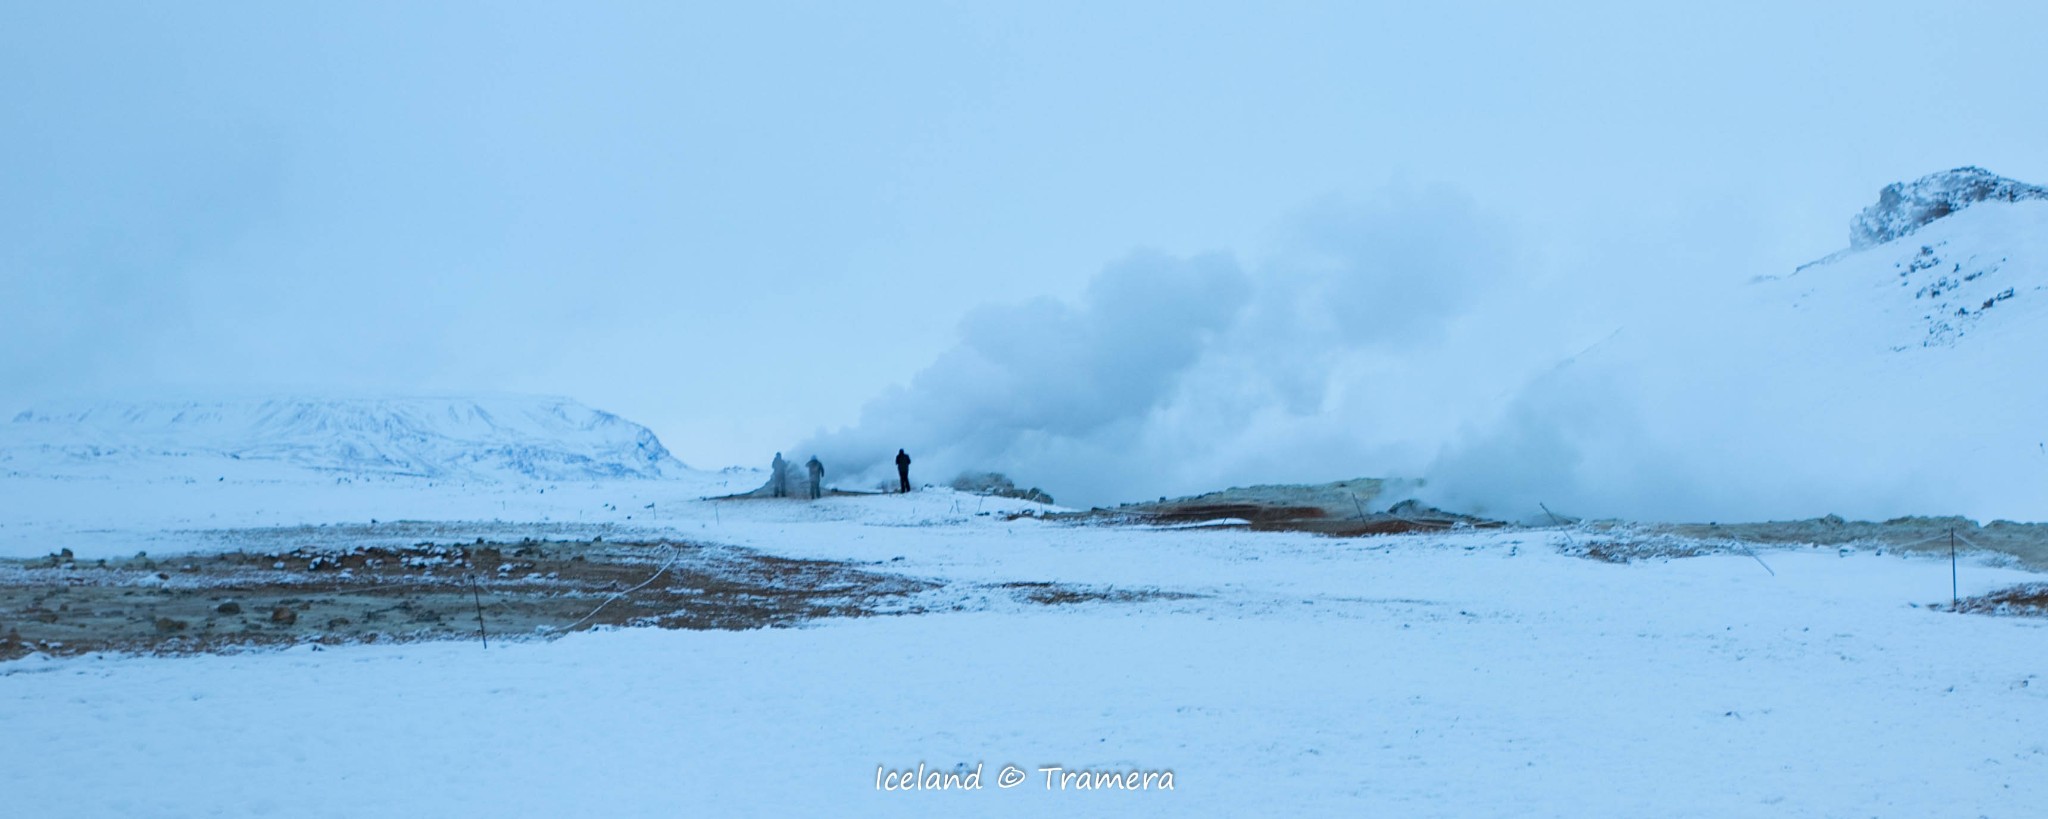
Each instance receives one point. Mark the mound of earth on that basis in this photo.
(999, 485)
(1340, 508)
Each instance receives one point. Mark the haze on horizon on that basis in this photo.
(741, 226)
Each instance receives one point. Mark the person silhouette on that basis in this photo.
(903, 469)
(780, 468)
(817, 471)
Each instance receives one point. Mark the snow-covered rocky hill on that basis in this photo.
(1902, 375)
(1934, 261)
(500, 438)
(1903, 207)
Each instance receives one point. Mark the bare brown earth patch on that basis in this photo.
(2029, 600)
(1338, 509)
(242, 599)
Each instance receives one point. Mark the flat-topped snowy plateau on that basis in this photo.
(114, 477)
(465, 438)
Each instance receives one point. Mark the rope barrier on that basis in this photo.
(1759, 560)
(673, 557)
(1939, 537)
(1563, 528)
(1391, 514)
(348, 589)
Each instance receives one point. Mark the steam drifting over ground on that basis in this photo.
(1413, 335)
(1174, 374)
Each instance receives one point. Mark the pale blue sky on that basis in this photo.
(740, 222)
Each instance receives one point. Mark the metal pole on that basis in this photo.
(473, 595)
(1954, 598)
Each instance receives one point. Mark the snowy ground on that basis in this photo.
(1478, 674)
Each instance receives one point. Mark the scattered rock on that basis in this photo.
(167, 625)
(230, 607)
(283, 616)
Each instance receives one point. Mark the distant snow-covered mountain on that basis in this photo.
(468, 438)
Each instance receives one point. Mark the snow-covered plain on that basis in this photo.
(1465, 674)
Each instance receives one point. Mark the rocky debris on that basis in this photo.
(231, 607)
(1952, 289)
(284, 616)
(998, 484)
(1903, 207)
(1062, 594)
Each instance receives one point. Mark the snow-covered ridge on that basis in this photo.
(467, 438)
(1903, 207)
(1893, 379)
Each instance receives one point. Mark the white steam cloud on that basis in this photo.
(1411, 335)
(1180, 374)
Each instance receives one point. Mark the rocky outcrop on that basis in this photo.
(1903, 207)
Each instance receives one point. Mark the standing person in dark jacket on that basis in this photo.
(903, 469)
(817, 471)
(780, 471)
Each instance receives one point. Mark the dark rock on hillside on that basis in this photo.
(1903, 207)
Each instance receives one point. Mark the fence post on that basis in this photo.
(1954, 598)
(479, 600)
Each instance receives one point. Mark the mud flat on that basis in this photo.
(364, 594)
(1344, 509)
